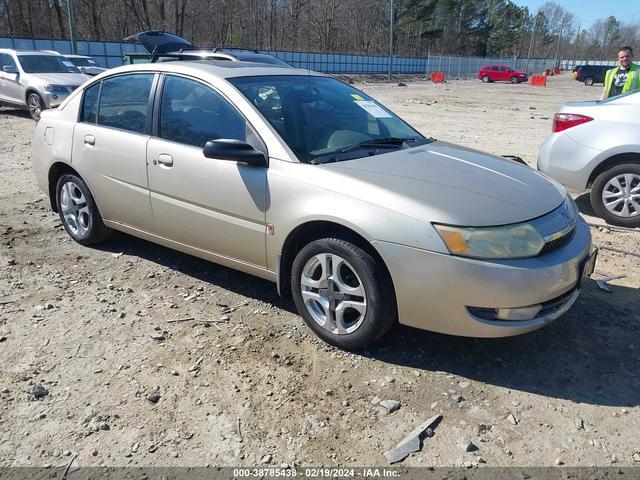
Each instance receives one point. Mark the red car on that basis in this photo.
(501, 73)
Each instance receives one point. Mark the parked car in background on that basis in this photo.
(303, 180)
(590, 74)
(596, 145)
(36, 80)
(85, 64)
(166, 47)
(501, 73)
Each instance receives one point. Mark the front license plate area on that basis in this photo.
(587, 266)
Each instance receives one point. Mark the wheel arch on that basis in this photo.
(314, 230)
(612, 161)
(55, 172)
(28, 92)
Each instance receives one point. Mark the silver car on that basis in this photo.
(36, 80)
(596, 145)
(85, 64)
(303, 180)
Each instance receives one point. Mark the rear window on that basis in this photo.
(124, 102)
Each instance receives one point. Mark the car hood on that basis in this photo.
(446, 183)
(75, 79)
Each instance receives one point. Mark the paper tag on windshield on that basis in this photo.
(67, 64)
(372, 109)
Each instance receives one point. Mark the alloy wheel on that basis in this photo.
(75, 210)
(333, 293)
(621, 195)
(35, 106)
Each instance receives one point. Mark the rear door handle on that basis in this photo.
(89, 140)
(165, 160)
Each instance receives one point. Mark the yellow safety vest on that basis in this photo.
(629, 85)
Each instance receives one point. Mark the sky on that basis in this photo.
(588, 11)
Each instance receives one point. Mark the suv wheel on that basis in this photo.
(615, 195)
(513, 79)
(35, 105)
(343, 294)
(78, 211)
(485, 79)
(589, 81)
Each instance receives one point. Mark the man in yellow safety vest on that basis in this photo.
(622, 79)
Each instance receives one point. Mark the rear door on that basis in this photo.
(217, 206)
(503, 73)
(494, 73)
(110, 146)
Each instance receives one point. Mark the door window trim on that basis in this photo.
(157, 108)
(150, 102)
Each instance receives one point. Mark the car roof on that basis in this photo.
(217, 68)
(76, 56)
(30, 52)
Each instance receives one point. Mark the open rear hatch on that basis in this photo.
(158, 42)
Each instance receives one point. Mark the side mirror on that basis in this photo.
(10, 69)
(236, 150)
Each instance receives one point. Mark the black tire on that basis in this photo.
(485, 79)
(381, 312)
(513, 79)
(35, 105)
(84, 224)
(599, 186)
(589, 81)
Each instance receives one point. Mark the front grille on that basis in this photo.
(555, 304)
(558, 243)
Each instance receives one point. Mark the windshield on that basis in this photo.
(322, 119)
(83, 62)
(46, 64)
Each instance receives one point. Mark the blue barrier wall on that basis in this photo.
(109, 54)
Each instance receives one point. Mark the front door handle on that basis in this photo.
(165, 160)
(89, 140)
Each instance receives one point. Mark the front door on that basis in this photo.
(217, 206)
(110, 147)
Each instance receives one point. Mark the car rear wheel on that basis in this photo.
(615, 195)
(78, 211)
(513, 79)
(35, 105)
(342, 293)
(485, 79)
(589, 81)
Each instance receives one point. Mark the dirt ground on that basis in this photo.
(92, 326)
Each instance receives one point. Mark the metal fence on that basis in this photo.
(109, 54)
(569, 64)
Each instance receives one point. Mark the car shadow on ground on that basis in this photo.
(14, 112)
(584, 205)
(590, 355)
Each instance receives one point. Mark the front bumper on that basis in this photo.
(434, 290)
(52, 100)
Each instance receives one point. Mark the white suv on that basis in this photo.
(35, 80)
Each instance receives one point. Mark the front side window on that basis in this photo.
(124, 102)
(6, 60)
(322, 119)
(46, 64)
(193, 113)
(90, 104)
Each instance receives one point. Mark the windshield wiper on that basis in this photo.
(384, 142)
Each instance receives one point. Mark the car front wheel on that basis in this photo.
(615, 195)
(343, 293)
(589, 81)
(78, 211)
(36, 105)
(513, 79)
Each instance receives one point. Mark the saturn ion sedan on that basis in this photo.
(301, 179)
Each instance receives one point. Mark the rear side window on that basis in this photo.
(495, 68)
(193, 113)
(90, 104)
(124, 102)
(6, 60)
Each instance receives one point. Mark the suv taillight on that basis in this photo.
(562, 121)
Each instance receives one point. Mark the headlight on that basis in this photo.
(57, 89)
(512, 241)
